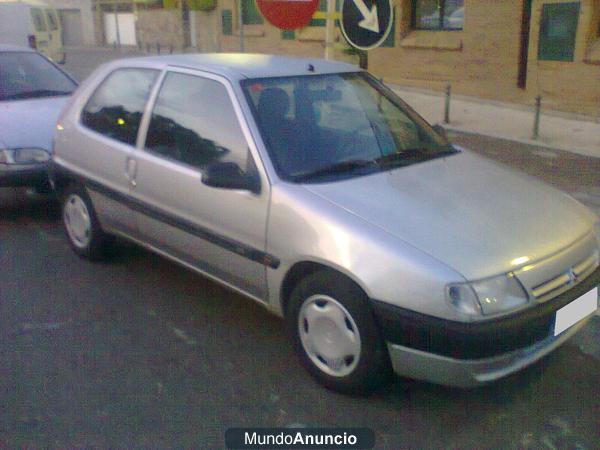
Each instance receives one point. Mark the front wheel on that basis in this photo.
(82, 227)
(335, 334)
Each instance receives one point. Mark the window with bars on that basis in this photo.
(558, 31)
(438, 14)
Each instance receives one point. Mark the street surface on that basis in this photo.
(139, 352)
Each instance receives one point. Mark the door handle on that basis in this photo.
(131, 171)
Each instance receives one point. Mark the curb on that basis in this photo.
(543, 145)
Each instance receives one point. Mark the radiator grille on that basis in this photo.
(564, 281)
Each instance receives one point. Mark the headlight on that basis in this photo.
(490, 296)
(24, 156)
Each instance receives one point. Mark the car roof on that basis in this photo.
(243, 65)
(15, 48)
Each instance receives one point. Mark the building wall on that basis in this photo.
(266, 38)
(160, 26)
(571, 86)
(481, 60)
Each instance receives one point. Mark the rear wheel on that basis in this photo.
(82, 227)
(335, 334)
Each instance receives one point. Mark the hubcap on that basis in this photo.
(329, 335)
(77, 221)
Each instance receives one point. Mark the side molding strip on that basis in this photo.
(236, 247)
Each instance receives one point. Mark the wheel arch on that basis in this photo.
(302, 269)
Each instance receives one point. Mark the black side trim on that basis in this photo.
(475, 340)
(151, 211)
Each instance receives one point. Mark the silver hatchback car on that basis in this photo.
(313, 189)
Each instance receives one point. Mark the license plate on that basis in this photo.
(572, 313)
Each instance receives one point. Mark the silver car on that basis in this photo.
(33, 90)
(313, 189)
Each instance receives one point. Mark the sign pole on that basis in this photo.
(329, 29)
(115, 10)
(241, 24)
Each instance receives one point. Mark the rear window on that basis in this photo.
(116, 108)
(26, 75)
(38, 19)
(52, 21)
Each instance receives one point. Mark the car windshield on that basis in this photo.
(26, 75)
(328, 127)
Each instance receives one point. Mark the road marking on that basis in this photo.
(182, 335)
(42, 326)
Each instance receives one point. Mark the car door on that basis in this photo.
(106, 137)
(194, 121)
(54, 35)
(40, 28)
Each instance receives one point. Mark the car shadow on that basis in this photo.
(23, 204)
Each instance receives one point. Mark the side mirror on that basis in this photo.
(228, 175)
(440, 130)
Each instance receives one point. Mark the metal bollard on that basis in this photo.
(158, 48)
(447, 104)
(148, 47)
(171, 49)
(536, 121)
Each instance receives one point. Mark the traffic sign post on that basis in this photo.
(366, 23)
(288, 14)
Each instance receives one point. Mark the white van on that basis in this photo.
(34, 24)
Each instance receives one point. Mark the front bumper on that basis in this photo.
(470, 354)
(19, 176)
(467, 373)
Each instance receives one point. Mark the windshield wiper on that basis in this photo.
(413, 155)
(339, 167)
(35, 94)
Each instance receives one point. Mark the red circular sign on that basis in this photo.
(288, 14)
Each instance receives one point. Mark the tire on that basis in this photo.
(84, 233)
(335, 335)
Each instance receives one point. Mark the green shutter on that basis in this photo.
(227, 22)
(250, 13)
(558, 31)
(288, 35)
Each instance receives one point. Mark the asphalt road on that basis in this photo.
(138, 352)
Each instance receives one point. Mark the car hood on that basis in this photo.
(30, 123)
(474, 215)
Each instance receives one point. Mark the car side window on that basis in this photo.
(116, 107)
(194, 122)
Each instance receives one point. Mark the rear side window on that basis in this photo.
(194, 122)
(38, 19)
(116, 108)
(52, 22)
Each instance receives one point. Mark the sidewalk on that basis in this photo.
(506, 121)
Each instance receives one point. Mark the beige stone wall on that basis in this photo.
(160, 26)
(207, 30)
(481, 60)
(571, 86)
